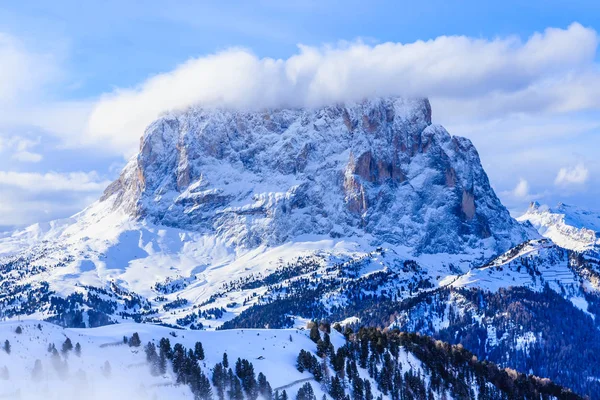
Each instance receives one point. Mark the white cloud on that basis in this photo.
(27, 156)
(23, 73)
(501, 75)
(551, 71)
(522, 189)
(20, 148)
(572, 175)
(54, 181)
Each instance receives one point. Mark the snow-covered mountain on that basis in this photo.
(216, 197)
(568, 226)
(363, 214)
(378, 169)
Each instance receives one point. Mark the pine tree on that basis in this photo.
(67, 346)
(300, 361)
(78, 349)
(135, 340)
(6, 346)
(218, 379)
(284, 395)
(236, 390)
(264, 388)
(19, 330)
(314, 333)
(306, 392)
(368, 391)
(322, 348)
(336, 389)
(199, 351)
(225, 361)
(203, 388)
(358, 389)
(152, 358)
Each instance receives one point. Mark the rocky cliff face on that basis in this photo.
(377, 169)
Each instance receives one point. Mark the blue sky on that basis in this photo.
(72, 68)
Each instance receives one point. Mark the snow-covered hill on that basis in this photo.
(568, 226)
(43, 361)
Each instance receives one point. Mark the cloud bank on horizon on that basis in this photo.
(483, 77)
(491, 84)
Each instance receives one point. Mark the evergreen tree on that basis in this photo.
(300, 361)
(6, 346)
(236, 390)
(67, 346)
(368, 391)
(358, 389)
(306, 392)
(218, 380)
(164, 354)
(203, 389)
(19, 330)
(336, 390)
(322, 348)
(135, 340)
(199, 351)
(314, 333)
(78, 349)
(225, 361)
(264, 388)
(152, 358)
(284, 395)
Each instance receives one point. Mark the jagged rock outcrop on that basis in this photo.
(377, 168)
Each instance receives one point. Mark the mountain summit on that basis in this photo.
(377, 169)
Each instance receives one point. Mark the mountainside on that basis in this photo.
(568, 226)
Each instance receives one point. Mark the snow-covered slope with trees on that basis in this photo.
(139, 362)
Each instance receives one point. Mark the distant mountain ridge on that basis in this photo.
(568, 226)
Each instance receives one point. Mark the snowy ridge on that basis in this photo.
(568, 226)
